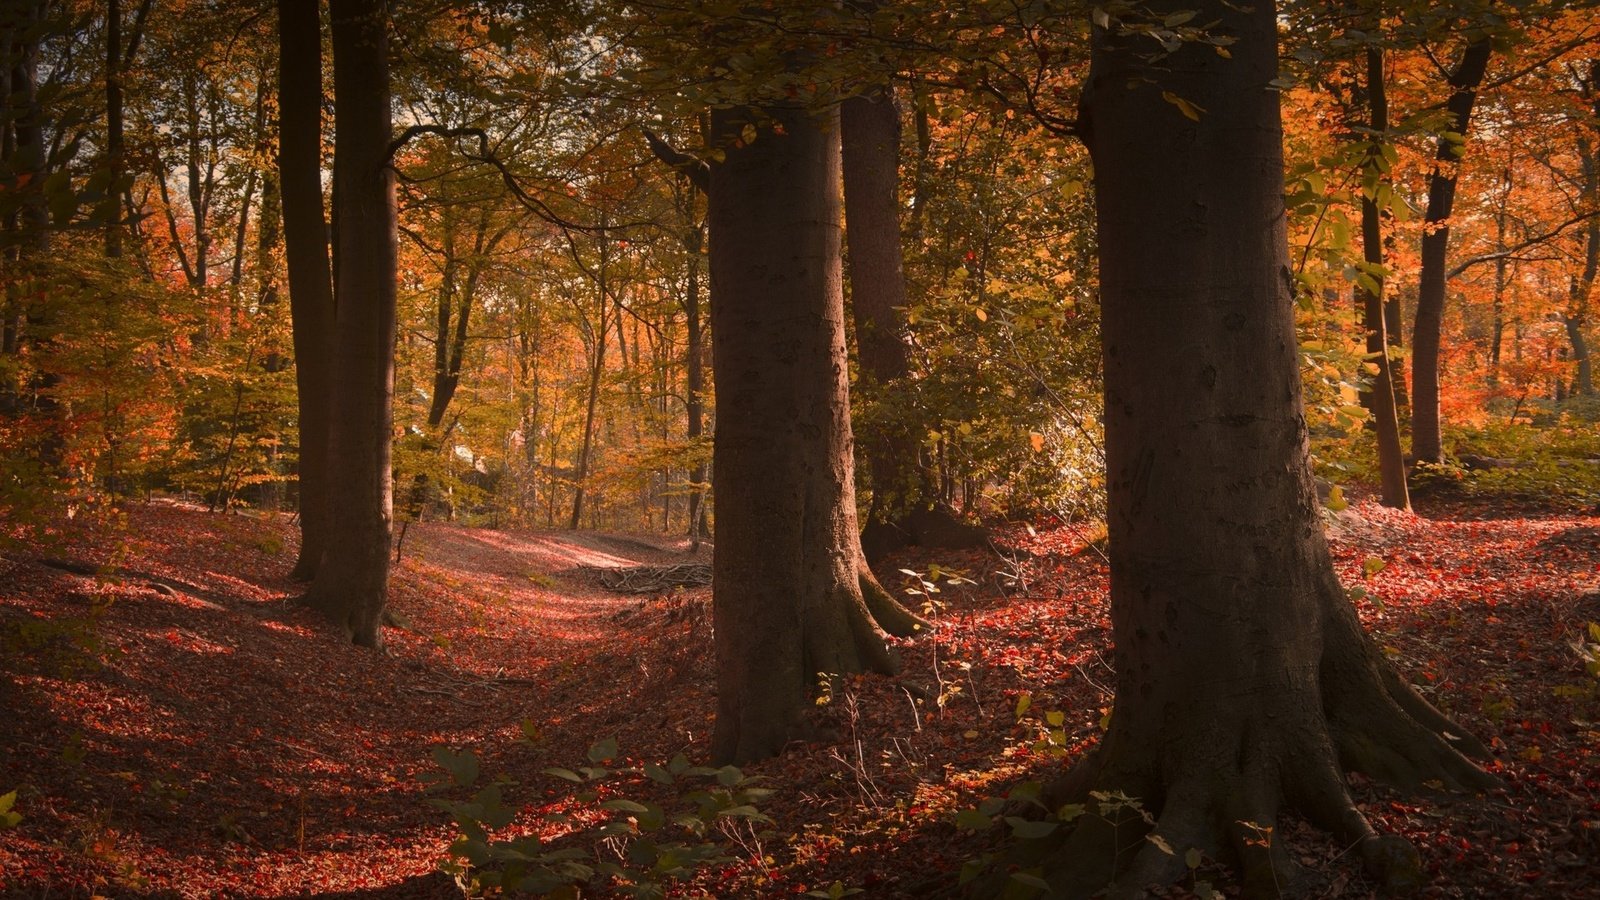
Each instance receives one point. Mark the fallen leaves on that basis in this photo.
(226, 743)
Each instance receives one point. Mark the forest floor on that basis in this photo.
(179, 728)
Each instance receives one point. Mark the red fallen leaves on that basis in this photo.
(230, 745)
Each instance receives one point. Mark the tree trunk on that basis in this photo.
(694, 379)
(905, 507)
(1577, 314)
(305, 240)
(793, 600)
(111, 206)
(869, 128)
(1498, 326)
(29, 321)
(351, 585)
(1385, 417)
(1244, 680)
(597, 370)
(1426, 444)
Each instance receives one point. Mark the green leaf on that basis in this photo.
(1336, 501)
(1192, 858)
(463, 766)
(565, 774)
(1032, 881)
(604, 751)
(1028, 829)
(973, 820)
(8, 818)
(627, 806)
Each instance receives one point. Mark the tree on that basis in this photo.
(1464, 81)
(351, 584)
(903, 502)
(1244, 680)
(305, 239)
(869, 127)
(1576, 316)
(1385, 414)
(793, 599)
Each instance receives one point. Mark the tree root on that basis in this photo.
(1228, 808)
(889, 613)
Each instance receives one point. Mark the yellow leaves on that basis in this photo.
(1189, 110)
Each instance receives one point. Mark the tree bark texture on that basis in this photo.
(305, 240)
(1426, 443)
(28, 320)
(1576, 318)
(906, 506)
(1385, 414)
(1244, 681)
(351, 585)
(793, 601)
(870, 135)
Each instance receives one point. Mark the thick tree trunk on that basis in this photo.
(29, 320)
(905, 507)
(1426, 443)
(1244, 681)
(1385, 416)
(793, 600)
(305, 239)
(351, 585)
(869, 128)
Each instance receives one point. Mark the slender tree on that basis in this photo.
(1244, 679)
(305, 240)
(1380, 393)
(1464, 81)
(351, 584)
(793, 600)
(1576, 316)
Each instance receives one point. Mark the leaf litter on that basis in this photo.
(177, 727)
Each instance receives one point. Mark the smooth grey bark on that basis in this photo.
(1245, 684)
(1426, 442)
(351, 585)
(793, 601)
(310, 276)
